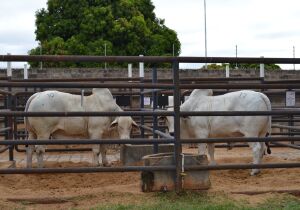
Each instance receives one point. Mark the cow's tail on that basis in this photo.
(269, 128)
(26, 122)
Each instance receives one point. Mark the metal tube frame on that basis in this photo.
(176, 87)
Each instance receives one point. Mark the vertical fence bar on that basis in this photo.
(141, 74)
(262, 69)
(178, 148)
(227, 71)
(154, 103)
(9, 105)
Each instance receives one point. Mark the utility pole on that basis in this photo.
(205, 31)
(236, 65)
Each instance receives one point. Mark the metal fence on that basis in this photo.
(154, 87)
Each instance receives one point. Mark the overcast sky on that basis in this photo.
(267, 28)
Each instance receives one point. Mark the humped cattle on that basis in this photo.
(86, 127)
(225, 126)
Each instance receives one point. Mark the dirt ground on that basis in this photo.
(84, 191)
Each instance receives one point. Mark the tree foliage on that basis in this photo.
(86, 27)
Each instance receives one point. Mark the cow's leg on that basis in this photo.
(29, 151)
(202, 149)
(96, 148)
(211, 152)
(201, 134)
(103, 155)
(40, 150)
(258, 151)
(96, 152)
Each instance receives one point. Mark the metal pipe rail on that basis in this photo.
(150, 85)
(240, 86)
(286, 145)
(85, 85)
(137, 79)
(242, 166)
(5, 129)
(87, 141)
(148, 113)
(241, 139)
(162, 134)
(147, 59)
(286, 127)
(144, 168)
(86, 169)
(77, 114)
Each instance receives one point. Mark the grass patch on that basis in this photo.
(203, 201)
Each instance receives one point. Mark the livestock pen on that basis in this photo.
(172, 87)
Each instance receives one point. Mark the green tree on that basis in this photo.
(85, 27)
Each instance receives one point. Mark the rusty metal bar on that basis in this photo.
(72, 114)
(5, 129)
(286, 127)
(286, 145)
(241, 139)
(147, 59)
(241, 86)
(242, 166)
(86, 141)
(137, 79)
(149, 113)
(240, 113)
(162, 134)
(4, 149)
(85, 169)
(150, 85)
(144, 168)
(177, 146)
(84, 85)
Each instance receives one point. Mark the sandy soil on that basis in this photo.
(83, 191)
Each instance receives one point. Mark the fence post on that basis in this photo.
(227, 71)
(141, 75)
(262, 69)
(9, 70)
(154, 103)
(10, 119)
(178, 147)
(25, 71)
(129, 70)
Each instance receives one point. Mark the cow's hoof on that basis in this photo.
(255, 172)
(212, 163)
(107, 164)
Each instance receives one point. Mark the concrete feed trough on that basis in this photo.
(165, 180)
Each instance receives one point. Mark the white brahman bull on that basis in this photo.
(225, 126)
(79, 127)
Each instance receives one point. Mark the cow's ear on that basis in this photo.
(114, 124)
(135, 127)
(163, 118)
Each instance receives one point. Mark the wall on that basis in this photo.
(162, 73)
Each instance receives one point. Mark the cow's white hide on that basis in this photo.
(226, 126)
(80, 127)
